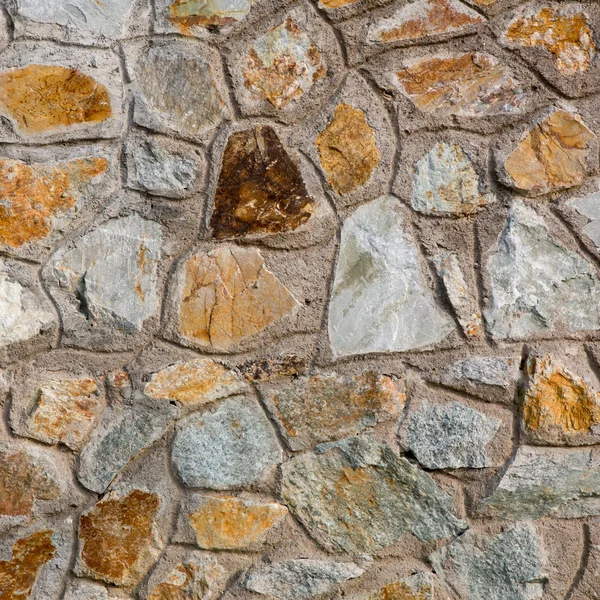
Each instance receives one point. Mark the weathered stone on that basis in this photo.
(451, 436)
(300, 579)
(230, 523)
(348, 149)
(536, 284)
(228, 295)
(130, 246)
(283, 64)
(499, 371)
(484, 2)
(325, 407)
(118, 541)
(447, 265)
(589, 206)
(336, 3)
(380, 301)
(423, 18)
(358, 496)
(416, 587)
(260, 188)
(194, 383)
(509, 566)
(268, 369)
(563, 32)
(209, 14)
(445, 183)
(85, 590)
(553, 156)
(43, 98)
(467, 85)
(234, 446)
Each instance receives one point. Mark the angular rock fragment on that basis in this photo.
(78, 589)
(536, 284)
(348, 149)
(380, 301)
(556, 154)
(260, 188)
(358, 497)
(227, 295)
(416, 587)
(509, 566)
(232, 447)
(499, 371)
(283, 64)
(300, 579)
(326, 407)
(589, 207)
(446, 184)
(467, 85)
(208, 14)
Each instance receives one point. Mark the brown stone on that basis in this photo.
(567, 36)
(553, 156)
(289, 365)
(118, 542)
(43, 98)
(29, 555)
(336, 3)
(210, 14)
(190, 580)
(485, 2)
(402, 591)
(31, 196)
(233, 524)
(470, 85)
(228, 295)
(260, 188)
(348, 149)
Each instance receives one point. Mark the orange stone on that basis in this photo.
(485, 2)
(401, 591)
(190, 580)
(29, 555)
(232, 524)
(336, 3)
(348, 149)
(567, 36)
(118, 538)
(43, 98)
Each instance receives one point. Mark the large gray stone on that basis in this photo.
(358, 496)
(536, 284)
(589, 206)
(380, 300)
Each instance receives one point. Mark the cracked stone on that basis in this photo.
(210, 14)
(416, 587)
(589, 207)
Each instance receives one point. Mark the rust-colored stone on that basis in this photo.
(567, 36)
(260, 188)
(485, 2)
(348, 149)
(228, 295)
(288, 365)
(189, 580)
(31, 196)
(29, 555)
(118, 539)
(210, 14)
(336, 3)
(553, 156)
(43, 98)
(231, 523)
(401, 591)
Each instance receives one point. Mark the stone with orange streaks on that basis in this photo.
(210, 14)
(416, 587)
(336, 3)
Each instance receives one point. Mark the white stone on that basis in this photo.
(589, 207)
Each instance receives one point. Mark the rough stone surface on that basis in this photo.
(85, 590)
(416, 587)
(366, 301)
(589, 207)
(214, 13)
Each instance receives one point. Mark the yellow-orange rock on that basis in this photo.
(29, 555)
(42, 98)
(553, 156)
(227, 295)
(404, 590)
(348, 149)
(485, 2)
(566, 35)
(31, 196)
(336, 3)
(232, 523)
(118, 538)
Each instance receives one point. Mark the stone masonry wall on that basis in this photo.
(299, 299)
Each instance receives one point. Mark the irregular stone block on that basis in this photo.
(367, 300)
(336, 3)
(85, 590)
(215, 13)
(416, 587)
(232, 447)
(325, 407)
(536, 283)
(589, 207)
(358, 497)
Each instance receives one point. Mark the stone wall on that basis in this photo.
(299, 300)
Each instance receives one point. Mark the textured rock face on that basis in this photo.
(446, 183)
(300, 579)
(336, 3)
(589, 206)
(85, 590)
(553, 156)
(378, 278)
(488, 370)
(228, 295)
(466, 85)
(326, 407)
(208, 14)
(415, 587)
(509, 566)
(283, 64)
(563, 32)
(536, 284)
(233, 447)
(348, 149)
(358, 497)
(42, 98)
(260, 188)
